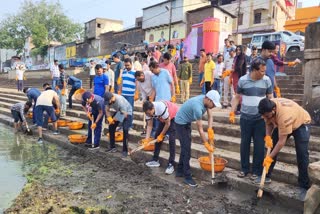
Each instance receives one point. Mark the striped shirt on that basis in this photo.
(128, 83)
(252, 92)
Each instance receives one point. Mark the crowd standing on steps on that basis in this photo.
(229, 79)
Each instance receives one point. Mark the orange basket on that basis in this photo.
(62, 123)
(147, 147)
(219, 163)
(75, 125)
(78, 94)
(77, 138)
(30, 115)
(118, 136)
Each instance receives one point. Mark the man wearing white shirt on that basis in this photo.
(20, 69)
(227, 87)
(144, 64)
(136, 65)
(92, 72)
(217, 74)
(55, 74)
(110, 73)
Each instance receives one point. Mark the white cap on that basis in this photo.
(214, 96)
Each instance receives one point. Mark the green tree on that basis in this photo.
(43, 22)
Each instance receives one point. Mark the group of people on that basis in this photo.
(156, 82)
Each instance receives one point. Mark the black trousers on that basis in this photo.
(301, 140)
(184, 135)
(172, 141)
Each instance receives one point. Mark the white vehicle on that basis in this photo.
(293, 42)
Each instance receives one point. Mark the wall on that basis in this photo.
(158, 15)
(178, 32)
(311, 99)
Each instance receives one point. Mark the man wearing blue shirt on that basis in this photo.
(161, 82)
(266, 51)
(193, 110)
(100, 82)
(75, 85)
(32, 94)
(93, 105)
(118, 69)
(128, 84)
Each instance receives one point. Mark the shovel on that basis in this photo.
(28, 130)
(142, 146)
(263, 177)
(212, 164)
(92, 133)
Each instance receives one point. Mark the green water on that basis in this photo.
(19, 155)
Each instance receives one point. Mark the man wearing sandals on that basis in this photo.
(286, 118)
(252, 87)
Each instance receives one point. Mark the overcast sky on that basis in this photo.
(84, 10)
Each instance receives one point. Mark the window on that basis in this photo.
(257, 18)
(256, 39)
(240, 19)
(276, 37)
(273, 11)
(225, 19)
(99, 25)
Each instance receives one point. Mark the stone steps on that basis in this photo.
(285, 194)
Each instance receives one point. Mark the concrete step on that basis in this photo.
(222, 131)
(290, 77)
(284, 82)
(292, 91)
(283, 193)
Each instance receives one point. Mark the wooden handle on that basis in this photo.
(92, 133)
(212, 164)
(263, 177)
(142, 146)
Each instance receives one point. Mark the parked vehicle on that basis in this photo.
(292, 42)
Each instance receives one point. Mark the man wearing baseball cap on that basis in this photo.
(93, 105)
(193, 110)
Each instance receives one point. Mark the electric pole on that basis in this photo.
(238, 16)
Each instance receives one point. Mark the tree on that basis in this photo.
(43, 22)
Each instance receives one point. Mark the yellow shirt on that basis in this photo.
(289, 116)
(208, 70)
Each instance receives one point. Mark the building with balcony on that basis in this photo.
(258, 16)
(156, 19)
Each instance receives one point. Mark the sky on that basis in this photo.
(82, 11)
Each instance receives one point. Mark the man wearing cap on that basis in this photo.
(252, 87)
(286, 118)
(93, 105)
(123, 114)
(100, 82)
(193, 110)
(165, 112)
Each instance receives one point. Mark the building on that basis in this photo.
(156, 20)
(258, 16)
(303, 17)
(95, 27)
(195, 31)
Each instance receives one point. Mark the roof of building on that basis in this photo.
(209, 6)
(156, 5)
(113, 20)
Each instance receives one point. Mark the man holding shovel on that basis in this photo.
(123, 114)
(18, 110)
(93, 105)
(193, 110)
(165, 112)
(286, 118)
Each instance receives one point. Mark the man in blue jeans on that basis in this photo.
(123, 114)
(252, 87)
(128, 84)
(75, 85)
(291, 120)
(193, 110)
(32, 94)
(55, 74)
(93, 105)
